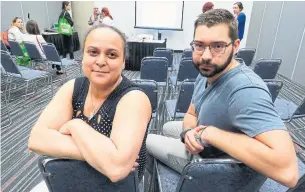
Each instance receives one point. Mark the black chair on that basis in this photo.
(33, 51)
(274, 87)
(289, 111)
(177, 108)
(267, 68)
(3, 47)
(247, 55)
(52, 56)
(167, 53)
(155, 68)
(27, 75)
(150, 87)
(186, 71)
(15, 48)
(65, 175)
(210, 175)
(187, 53)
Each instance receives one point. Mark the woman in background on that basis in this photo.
(207, 6)
(67, 39)
(106, 17)
(15, 32)
(93, 20)
(241, 18)
(34, 36)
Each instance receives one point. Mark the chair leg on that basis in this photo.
(9, 81)
(51, 84)
(26, 93)
(8, 111)
(154, 184)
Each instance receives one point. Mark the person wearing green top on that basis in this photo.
(67, 39)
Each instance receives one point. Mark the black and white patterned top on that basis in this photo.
(102, 120)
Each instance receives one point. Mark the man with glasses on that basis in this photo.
(231, 111)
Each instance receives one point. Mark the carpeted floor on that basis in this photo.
(19, 170)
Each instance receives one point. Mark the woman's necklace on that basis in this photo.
(93, 112)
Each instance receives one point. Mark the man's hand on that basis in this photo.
(190, 141)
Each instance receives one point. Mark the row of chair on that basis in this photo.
(49, 49)
(14, 75)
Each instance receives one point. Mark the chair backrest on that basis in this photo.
(3, 47)
(73, 175)
(8, 63)
(15, 48)
(150, 87)
(187, 53)
(267, 68)
(247, 55)
(187, 70)
(210, 175)
(32, 51)
(274, 87)
(154, 68)
(51, 52)
(165, 52)
(185, 96)
(4, 38)
(300, 111)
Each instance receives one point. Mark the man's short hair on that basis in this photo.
(218, 16)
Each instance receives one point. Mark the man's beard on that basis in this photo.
(214, 69)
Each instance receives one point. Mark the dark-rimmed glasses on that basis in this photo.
(216, 48)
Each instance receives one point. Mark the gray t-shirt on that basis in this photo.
(238, 101)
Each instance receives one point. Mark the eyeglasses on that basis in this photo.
(216, 48)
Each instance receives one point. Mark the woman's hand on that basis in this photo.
(65, 129)
(135, 165)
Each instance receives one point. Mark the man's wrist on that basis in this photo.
(182, 135)
(206, 134)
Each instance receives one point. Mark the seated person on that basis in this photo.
(101, 118)
(231, 111)
(15, 32)
(34, 36)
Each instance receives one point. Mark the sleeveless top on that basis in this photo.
(102, 120)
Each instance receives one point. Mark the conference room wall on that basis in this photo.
(44, 12)
(53, 11)
(279, 33)
(9, 10)
(124, 16)
(81, 20)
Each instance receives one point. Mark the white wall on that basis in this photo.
(123, 13)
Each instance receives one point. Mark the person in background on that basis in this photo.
(207, 6)
(16, 32)
(34, 36)
(67, 39)
(241, 18)
(93, 20)
(106, 17)
(101, 118)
